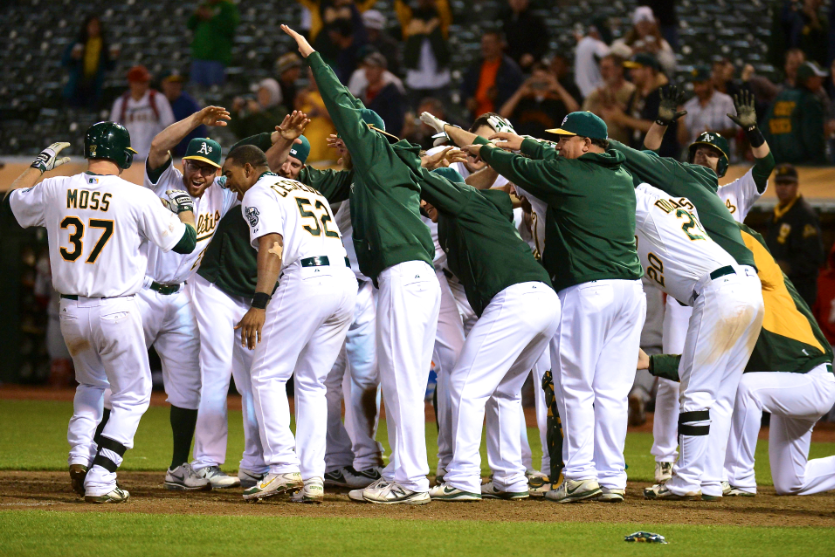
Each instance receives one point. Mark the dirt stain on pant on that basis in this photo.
(78, 345)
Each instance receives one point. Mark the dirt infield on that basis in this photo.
(51, 490)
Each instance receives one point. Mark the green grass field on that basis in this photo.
(34, 438)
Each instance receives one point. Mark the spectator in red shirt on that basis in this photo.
(490, 82)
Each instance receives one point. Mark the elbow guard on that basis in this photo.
(188, 242)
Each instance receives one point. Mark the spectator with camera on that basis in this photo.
(645, 37)
(252, 114)
(426, 56)
(539, 104)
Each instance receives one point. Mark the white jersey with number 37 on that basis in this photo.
(96, 226)
(276, 205)
(674, 249)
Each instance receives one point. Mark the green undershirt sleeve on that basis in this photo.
(665, 366)
(762, 170)
(188, 242)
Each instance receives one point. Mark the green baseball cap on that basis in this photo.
(375, 122)
(301, 150)
(809, 69)
(642, 60)
(699, 74)
(584, 124)
(449, 173)
(205, 150)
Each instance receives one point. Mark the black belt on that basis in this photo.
(448, 274)
(165, 289)
(320, 261)
(722, 271)
(69, 297)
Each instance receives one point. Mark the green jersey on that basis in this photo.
(475, 230)
(590, 224)
(790, 341)
(698, 184)
(230, 262)
(384, 193)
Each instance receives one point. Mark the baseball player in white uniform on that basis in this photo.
(454, 323)
(96, 226)
(168, 314)
(292, 228)
(682, 260)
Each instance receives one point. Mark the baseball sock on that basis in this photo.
(183, 422)
(105, 416)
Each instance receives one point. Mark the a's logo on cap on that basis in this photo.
(93, 151)
(204, 149)
(294, 152)
(564, 120)
(251, 214)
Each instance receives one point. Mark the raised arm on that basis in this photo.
(668, 113)
(528, 173)
(46, 161)
(285, 136)
(746, 118)
(170, 137)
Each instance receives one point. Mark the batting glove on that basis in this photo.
(433, 122)
(500, 124)
(178, 201)
(668, 106)
(48, 160)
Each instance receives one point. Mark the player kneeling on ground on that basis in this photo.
(97, 226)
(790, 375)
(302, 329)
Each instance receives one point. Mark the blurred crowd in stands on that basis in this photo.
(401, 67)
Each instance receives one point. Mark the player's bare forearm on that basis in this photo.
(187, 218)
(762, 151)
(278, 153)
(270, 249)
(483, 179)
(171, 136)
(655, 136)
(27, 179)
(460, 137)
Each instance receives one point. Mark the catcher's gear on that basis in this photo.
(48, 159)
(671, 99)
(717, 142)
(111, 141)
(554, 436)
(178, 201)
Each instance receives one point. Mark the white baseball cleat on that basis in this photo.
(663, 472)
(218, 479)
(115, 495)
(661, 492)
(250, 478)
(274, 484)
(312, 492)
(738, 492)
(374, 488)
(611, 495)
(446, 492)
(184, 478)
(395, 494)
(490, 491)
(571, 491)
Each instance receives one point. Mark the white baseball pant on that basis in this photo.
(354, 378)
(726, 321)
(105, 338)
(665, 421)
(449, 341)
(500, 350)
(303, 338)
(593, 355)
(408, 303)
(171, 328)
(542, 365)
(796, 402)
(221, 358)
(468, 316)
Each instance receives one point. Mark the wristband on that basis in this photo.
(260, 300)
(755, 136)
(663, 123)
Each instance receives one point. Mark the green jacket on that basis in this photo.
(790, 341)
(384, 191)
(230, 262)
(793, 127)
(213, 38)
(590, 225)
(698, 184)
(475, 230)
